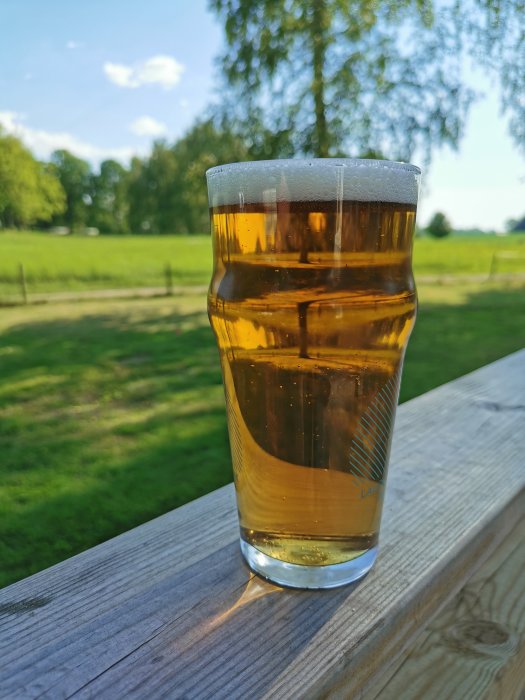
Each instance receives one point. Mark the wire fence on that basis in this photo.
(23, 289)
(19, 287)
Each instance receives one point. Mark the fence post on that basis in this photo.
(493, 265)
(169, 279)
(23, 283)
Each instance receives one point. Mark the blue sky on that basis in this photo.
(104, 78)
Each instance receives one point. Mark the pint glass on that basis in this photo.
(312, 301)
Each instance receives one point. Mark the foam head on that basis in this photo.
(310, 180)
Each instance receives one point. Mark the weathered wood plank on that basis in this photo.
(169, 609)
(475, 647)
(96, 592)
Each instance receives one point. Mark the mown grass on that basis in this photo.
(61, 263)
(109, 415)
(54, 263)
(112, 412)
(465, 255)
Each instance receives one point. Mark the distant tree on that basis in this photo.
(167, 191)
(327, 77)
(29, 191)
(204, 146)
(515, 225)
(140, 196)
(109, 194)
(439, 226)
(52, 194)
(75, 177)
(152, 192)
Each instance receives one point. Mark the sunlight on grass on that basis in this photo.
(113, 412)
(457, 293)
(54, 263)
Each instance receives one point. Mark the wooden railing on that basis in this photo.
(169, 610)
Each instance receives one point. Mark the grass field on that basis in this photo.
(54, 263)
(57, 263)
(112, 412)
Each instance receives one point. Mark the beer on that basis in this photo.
(312, 302)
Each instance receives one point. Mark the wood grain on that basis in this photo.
(170, 610)
(475, 648)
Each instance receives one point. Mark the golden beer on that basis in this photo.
(312, 302)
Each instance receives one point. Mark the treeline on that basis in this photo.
(162, 193)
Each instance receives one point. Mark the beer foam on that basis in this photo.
(310, 180)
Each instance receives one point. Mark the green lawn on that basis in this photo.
(469, 254)
(59, 263)
(54, 263)
(112, 412)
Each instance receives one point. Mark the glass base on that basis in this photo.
(297, 576)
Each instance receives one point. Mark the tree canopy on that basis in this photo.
(167, 191)
(75, 177)
(164, 192)
(29, 191)
(439, 226)
(108, 191)
(331, 77)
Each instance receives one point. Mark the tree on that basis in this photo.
(330, 77)
(439, 226)
(75, 177)
(152, 192)
(141, 199)
(515, 225)
(109, 195)
(204, 146)
(167, 191)
(29, 192)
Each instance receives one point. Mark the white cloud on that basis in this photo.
(43, 143)
(148, 126)
(8, 120)
(184, 103)
(160, 70)
(73, 44)
(120, 75)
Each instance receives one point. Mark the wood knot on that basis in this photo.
(482, 637)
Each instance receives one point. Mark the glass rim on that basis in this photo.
(372, 163)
